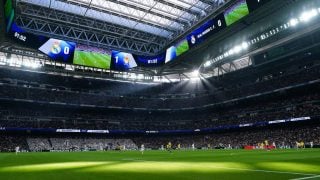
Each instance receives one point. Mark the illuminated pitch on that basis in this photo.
(198, 164)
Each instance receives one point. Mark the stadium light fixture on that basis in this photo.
(133, 76)
(294, 22)
(31, 64)
(237, 49)
(245, 45)
(207, 64)
(306, 16)
(140, 76)
(231, 52)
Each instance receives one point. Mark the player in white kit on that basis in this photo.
(142, 148)
(17, 150)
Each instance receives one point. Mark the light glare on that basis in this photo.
(245, 45)
(294, 22)
(237, 49)
(306, 16)
(195, 73)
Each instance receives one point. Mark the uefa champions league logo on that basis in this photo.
(193, 39)
(56, 49)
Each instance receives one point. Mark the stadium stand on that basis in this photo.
(159, 89)
(279, 94)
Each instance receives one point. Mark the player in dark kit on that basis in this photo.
(169, 147)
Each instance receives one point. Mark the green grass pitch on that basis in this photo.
(182, 47)
(237, 14)
(92, 59)
(210, 164)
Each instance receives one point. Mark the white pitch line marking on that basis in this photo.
(310, 177)
(267, 171)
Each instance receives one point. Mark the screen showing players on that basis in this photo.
(68, 52)
(182, 47)
(92, 57)
(236, 12)
(59, 50)
(122, 61)
(9, 14)
(177, 50)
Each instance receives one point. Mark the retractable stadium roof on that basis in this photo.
(144, 27)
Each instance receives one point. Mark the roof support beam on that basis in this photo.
(122, 15)
(160, 14)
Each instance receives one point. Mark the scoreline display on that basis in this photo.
(72, 53)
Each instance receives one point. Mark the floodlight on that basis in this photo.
(207, 64)
(231, 52)
(306, 16)
(195, 73)
(237, 49)
(244, 45)
(294, 22)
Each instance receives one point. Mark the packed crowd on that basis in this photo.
(284, 137)
(281, 106)
(78, 144)
(281, 137)
(47, 88)
(38, 100)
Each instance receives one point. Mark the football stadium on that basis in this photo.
(159, 89)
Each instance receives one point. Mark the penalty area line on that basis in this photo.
(269, 171)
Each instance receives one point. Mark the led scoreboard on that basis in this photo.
(122, 61)
(9, 14)
(236, 12)
(255, 4)
(56, 49)
(206, 30)
(150, 61)
(72, 53)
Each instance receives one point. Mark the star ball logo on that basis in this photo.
(193, 39)
(56, 49)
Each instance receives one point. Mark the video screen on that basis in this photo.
(92, 57)
(171, 54)
(176, 50)
(59, 50)
(27, 39)
(236, 12)
(56, 49)
(206, 30)
(150, 61)
(255, 4)
(200, 34)
(182, 47)
(9, 14)
(122, 61)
